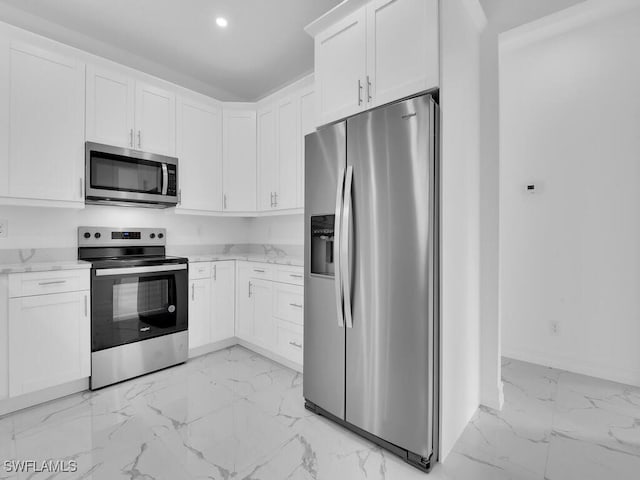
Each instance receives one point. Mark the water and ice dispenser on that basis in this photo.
(322, 227)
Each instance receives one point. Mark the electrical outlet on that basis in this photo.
(4, 228)
(555, 328)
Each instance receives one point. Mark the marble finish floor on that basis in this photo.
(236, 415)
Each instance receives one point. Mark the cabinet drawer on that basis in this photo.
(44, 283)
(289, 341)
(294, 275)
(262, 271)
(198, 270)
(288, 303)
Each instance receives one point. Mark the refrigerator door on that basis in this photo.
(390, 353)
(324, 333)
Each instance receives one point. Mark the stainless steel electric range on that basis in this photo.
(139, 302)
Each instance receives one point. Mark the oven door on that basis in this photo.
(133, 304)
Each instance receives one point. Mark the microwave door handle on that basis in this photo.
(165, 179)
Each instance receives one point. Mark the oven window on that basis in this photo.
(113, 172)
(130, 308)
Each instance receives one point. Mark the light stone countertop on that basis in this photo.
(43, 266)
(291, 260)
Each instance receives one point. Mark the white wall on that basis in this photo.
(570, 253)
(278, 230)
(31, 227)
(459, 100)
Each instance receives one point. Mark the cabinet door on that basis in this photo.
(200, 154)
(402, 48)
(223, 296)
(267, 158)
(199, 312)
(49, 341)
(239, 160)
(341, 68)
(308, 122)
(288, 159)
(244, 303)
(155, 119)
(262, 297)
(46, 157)
(110, 106)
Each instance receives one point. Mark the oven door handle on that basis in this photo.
(165, 179)
(105, 272)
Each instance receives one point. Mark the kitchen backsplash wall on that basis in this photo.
(53, 228)
(279, 230)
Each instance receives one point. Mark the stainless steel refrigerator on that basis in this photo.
(371, 276)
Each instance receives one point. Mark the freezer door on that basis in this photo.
(324, 333)
(390, 348)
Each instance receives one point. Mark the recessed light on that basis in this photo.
(221, 22)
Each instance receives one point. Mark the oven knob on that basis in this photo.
(161, 235)
(153, 235)
(87, 235)
(97, 235)
(172, 308)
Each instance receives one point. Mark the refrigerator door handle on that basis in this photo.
(345, 266)
(337, 241)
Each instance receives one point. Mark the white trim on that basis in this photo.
(608, 372)
(14, 404)
(212, 347)
(33, 202)
(477, 13)
(573, 17)
(337, 13)
(270, 355)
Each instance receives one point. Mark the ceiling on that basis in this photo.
(507, 14)
(263, 48)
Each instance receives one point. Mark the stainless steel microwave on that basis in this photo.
(120, 176)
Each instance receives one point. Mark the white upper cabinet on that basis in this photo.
(126, 112)
(46, 142)
(267, 158)
(155, 119)
(110, 107)
(340, 68)
(289, 161)
(402, 48)
(199, 136)
(239, 160)
(382, 52)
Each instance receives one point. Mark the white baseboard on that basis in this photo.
(10, 405)
(273, 356)
(212, 347)
(606, 372)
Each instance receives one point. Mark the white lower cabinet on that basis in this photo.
(49, 335)
(269, 311)
(211, 302)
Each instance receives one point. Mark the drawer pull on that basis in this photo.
(257, 270)
(297, 305)
(295, 276)
(55, 282)
(294, 344)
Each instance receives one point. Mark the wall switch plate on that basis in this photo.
(555, 328)
(4, 228)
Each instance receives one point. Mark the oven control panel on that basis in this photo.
(117, 237)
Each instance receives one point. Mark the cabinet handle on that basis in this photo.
(179, 195)
(275, 199)
(85, 306)
(131, 138)
(294, 344)
(368, 89)
(359, 92)
(257, 270)
(224, 201)
(297, 305)
(139, 139)
(271, 196)
(215, 272)
(249, 289)
(193, 291)
(54, 282)
(295, 276)
(81, 189)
